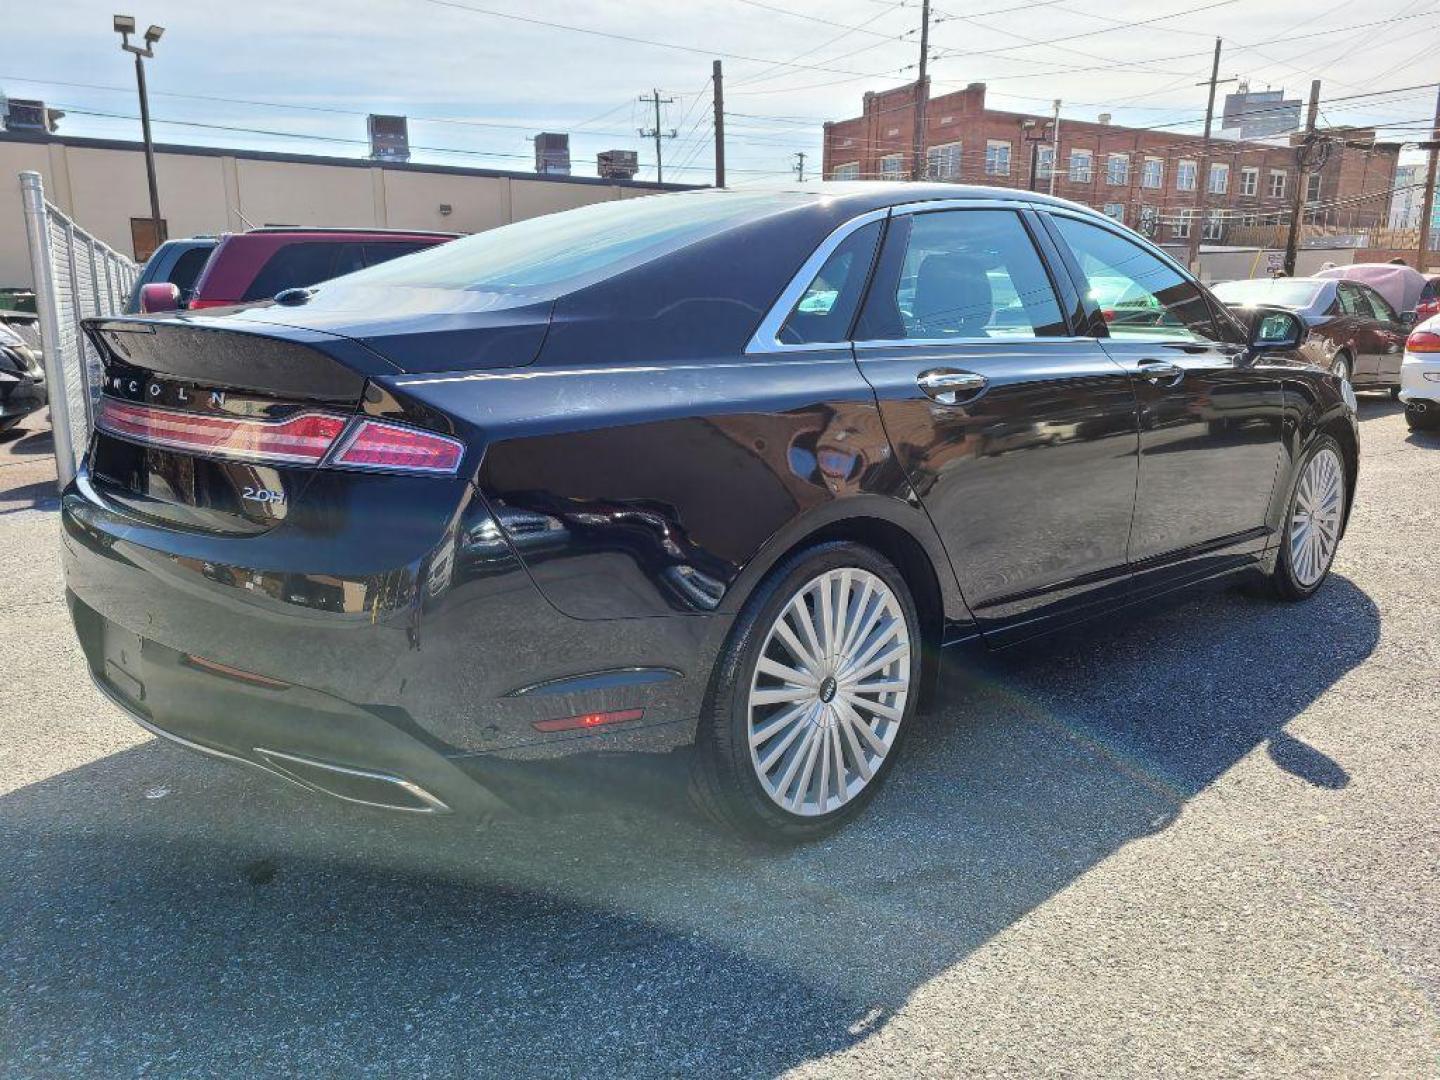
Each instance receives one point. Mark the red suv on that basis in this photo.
(256, 265)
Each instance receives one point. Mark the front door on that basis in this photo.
(1210, 416)
(1019, 438)
(1384, 336)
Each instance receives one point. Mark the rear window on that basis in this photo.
(1282, 292)
(305, 263)
(549, 254)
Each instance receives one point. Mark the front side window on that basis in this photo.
(848, 171)
(1249, 181)
(1117, 169)
(1219, 178)
(1185, 176)
(997, 158)
(943, 162)
(892, 166)
(958, 275)
(1152, 175)
(1140, 296)
(824, 311)
(1277, 184)
(1081, 166)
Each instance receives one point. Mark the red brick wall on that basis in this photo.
(886, 127)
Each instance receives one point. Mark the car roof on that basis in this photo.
(873, 194)
(340, 230)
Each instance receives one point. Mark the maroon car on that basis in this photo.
(1350, 328)
(258, 264)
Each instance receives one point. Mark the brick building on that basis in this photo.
(1144, 177)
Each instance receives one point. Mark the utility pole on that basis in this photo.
(1055, 145)
(1427, 204)
(125, 26)
(657, 132)
(922, 94)
(1297, 197)
(1202, 177)
(800, 166)
(718, 77)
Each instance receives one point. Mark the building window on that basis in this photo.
(1117, 169)
(1081, 166)
(1115, 210)
(1276, 189)
(1249, 181)
(1219, 179)
(1181, 229)
(892, 132)
(849, 171)
(1214, 227)
(997, 158)
(892, 166)
(943, 162)
(1147, 220)
(1185, 177)
(1312, 188)
(1044, 162)
(1152, 173)
(1249, 219)
(846, 143)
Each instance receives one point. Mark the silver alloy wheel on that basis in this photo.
(1341, 369)
(829, 691)
(1315, 517)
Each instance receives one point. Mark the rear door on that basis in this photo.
(1019, 437)
(1359, 327)
(1209, 415)
(1385, 334)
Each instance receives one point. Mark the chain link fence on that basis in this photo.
(76, 277)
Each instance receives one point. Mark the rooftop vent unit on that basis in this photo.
(618, 164)
(389, 138)
(23, 114)
(552, 153)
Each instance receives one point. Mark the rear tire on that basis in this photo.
(1314, 518)
(1394, 393)
(801, 724)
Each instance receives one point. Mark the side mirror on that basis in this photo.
(159, 296)
(1274, 329)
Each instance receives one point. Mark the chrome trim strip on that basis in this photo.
(950, 343)
(765, 340)
(433, 805)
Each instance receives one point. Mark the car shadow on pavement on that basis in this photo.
(162, 908)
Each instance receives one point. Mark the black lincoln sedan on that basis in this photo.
(727, 468)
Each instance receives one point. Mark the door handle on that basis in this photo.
(1157, 370)
(946, 386)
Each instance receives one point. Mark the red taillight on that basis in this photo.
(298, 440)
(195, 305)
(1423, 341)
(374, 444)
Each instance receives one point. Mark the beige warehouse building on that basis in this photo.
(101, 184)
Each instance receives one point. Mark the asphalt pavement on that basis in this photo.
(1205, 842)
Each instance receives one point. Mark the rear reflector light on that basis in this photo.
(373, 444)
(240, 674)
(588, 720)
(298, 440)
(1423, 341)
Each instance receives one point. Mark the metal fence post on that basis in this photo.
(42, 264)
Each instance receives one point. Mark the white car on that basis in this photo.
(1420, 377)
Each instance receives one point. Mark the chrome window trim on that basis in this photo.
(950, 343)
(766, 339)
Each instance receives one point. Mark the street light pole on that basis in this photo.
(125, 26)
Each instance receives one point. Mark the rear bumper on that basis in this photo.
(397, 667)
(1420, 379)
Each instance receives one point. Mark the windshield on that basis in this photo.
(1282, 292)
(547, 255)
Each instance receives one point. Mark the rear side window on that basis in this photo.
(187, 268)
(1379, 305)
(824, 312)
(1140, 296)
(955, 275)
(305, 263)
(375, 254)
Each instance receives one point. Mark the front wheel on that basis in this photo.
(1313, 523)
(811, 698)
